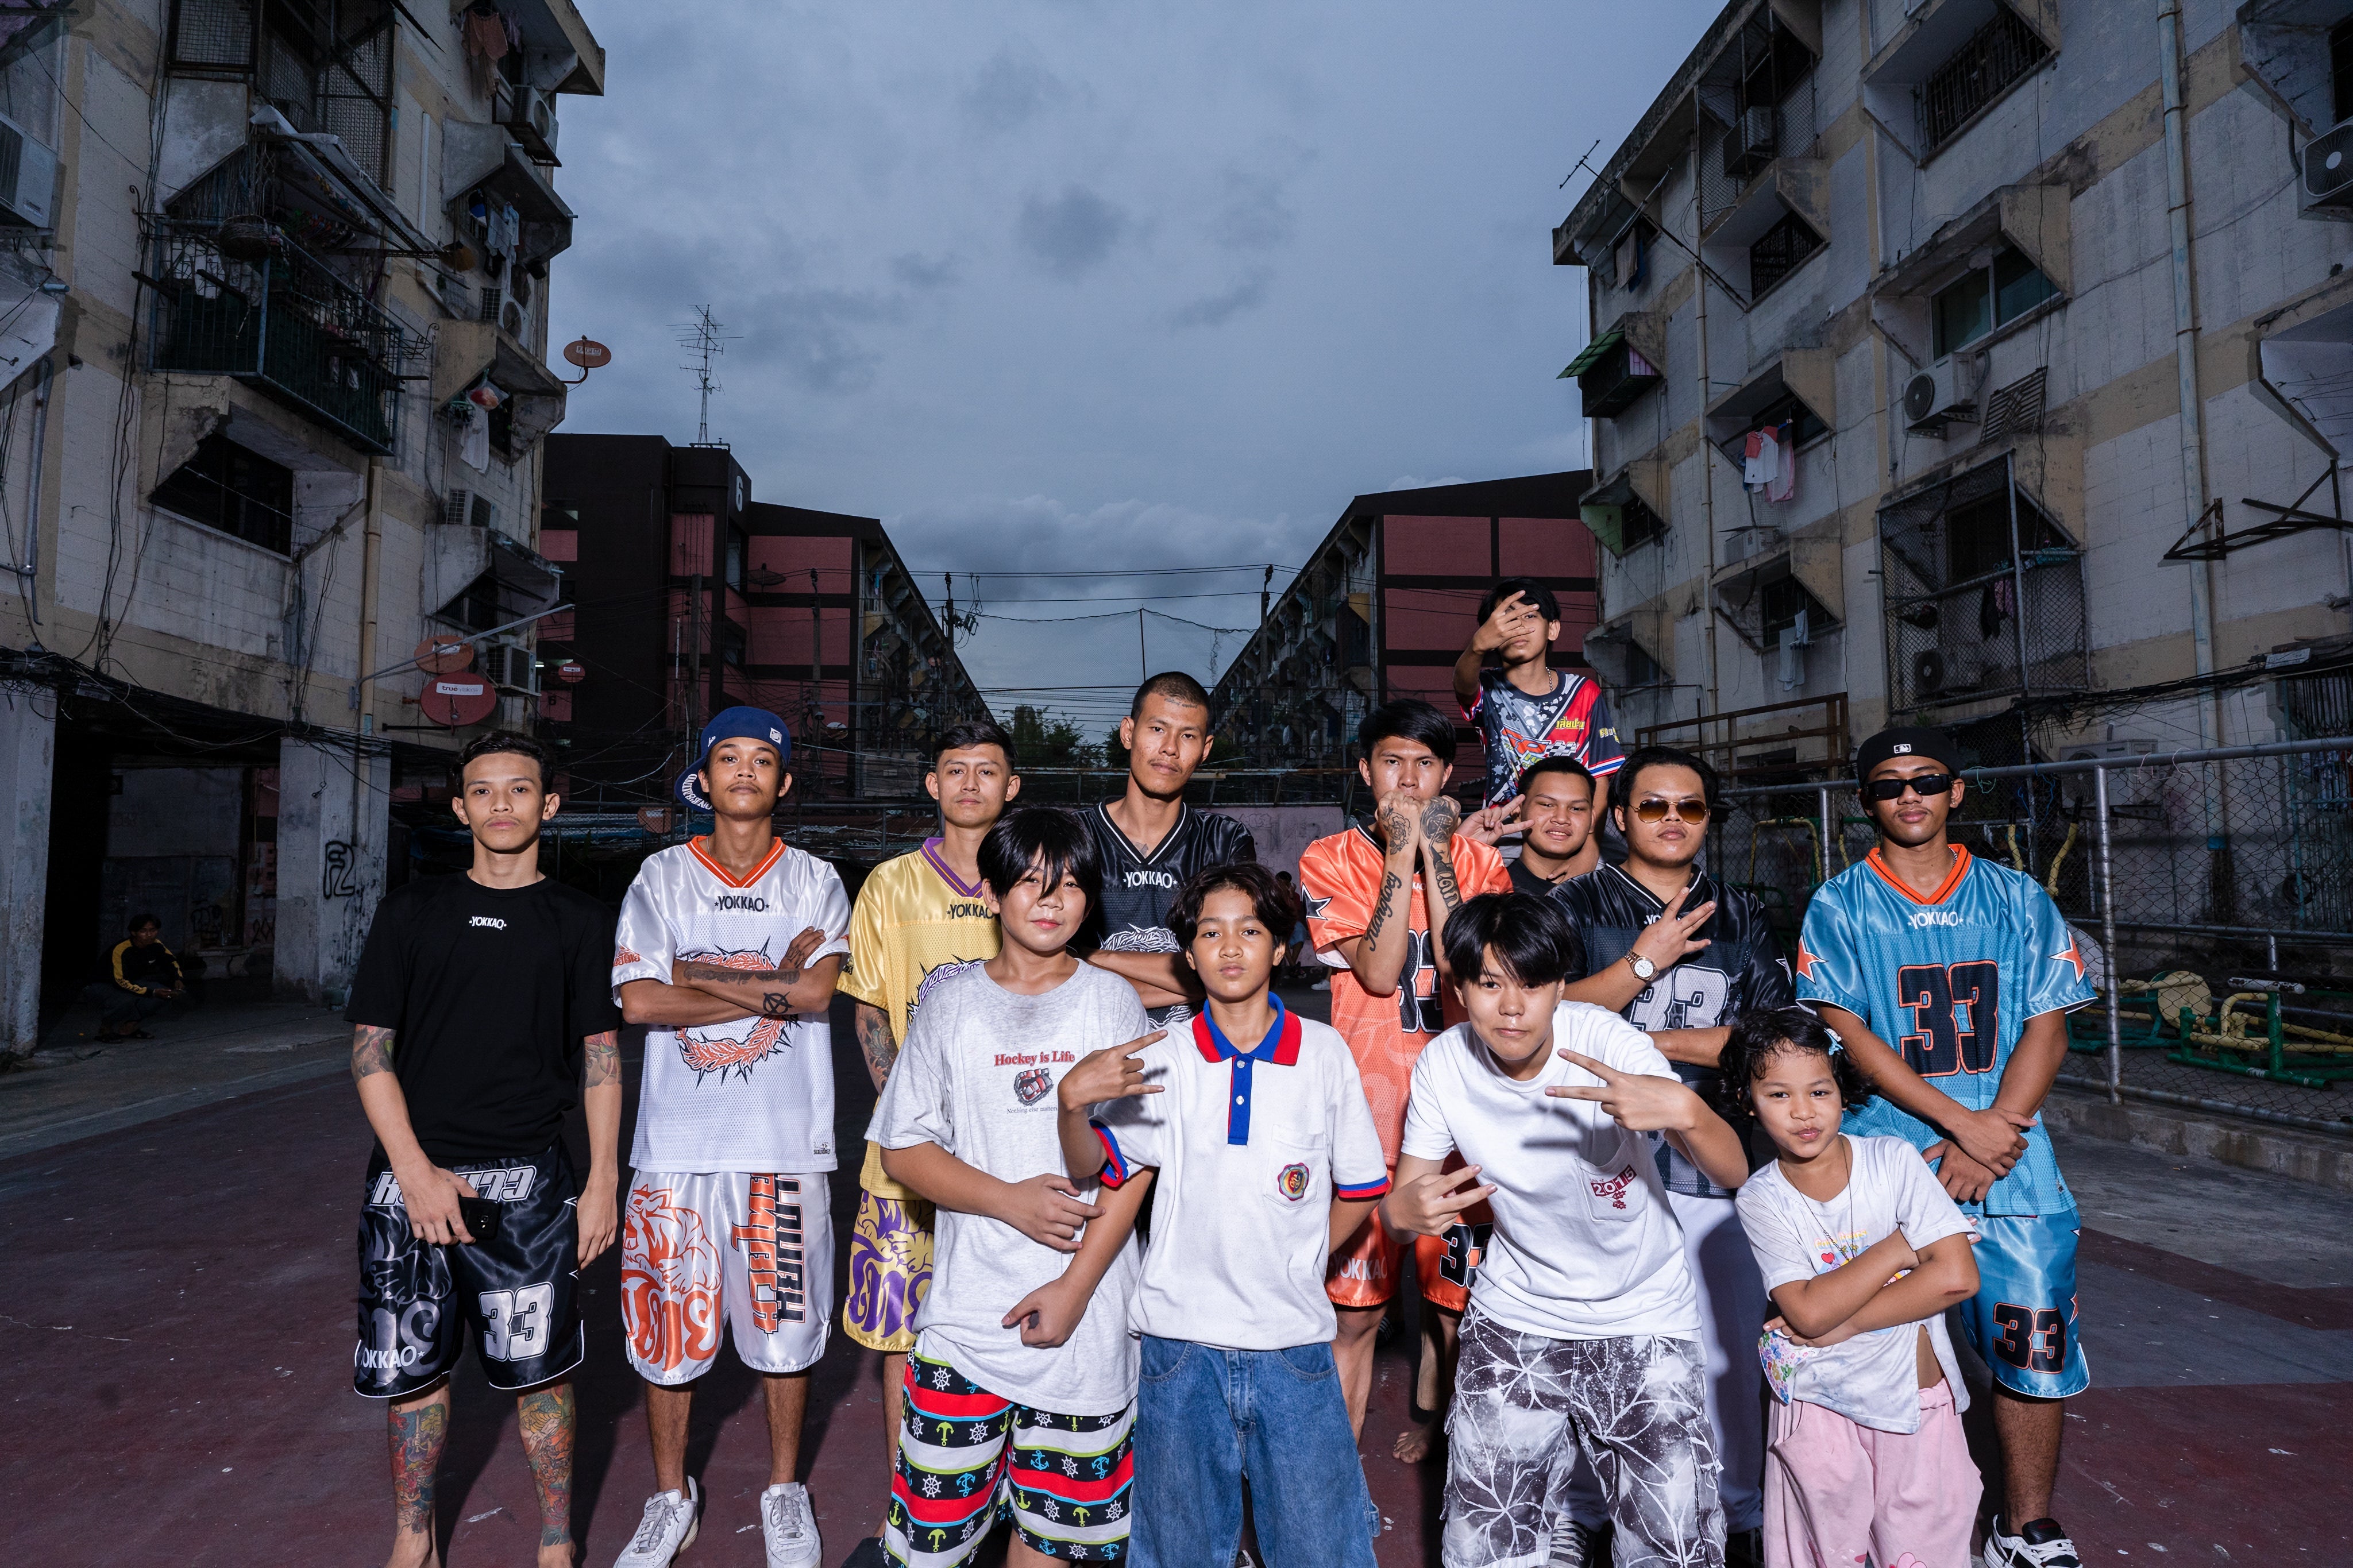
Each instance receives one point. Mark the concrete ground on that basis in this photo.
(179, 1214)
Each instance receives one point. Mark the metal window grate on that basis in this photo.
(1995, 55)
(1778, 250)
(211, 36)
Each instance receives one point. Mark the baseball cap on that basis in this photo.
(1905, 740)
(733, 724)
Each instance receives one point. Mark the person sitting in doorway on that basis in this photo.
(143, 977)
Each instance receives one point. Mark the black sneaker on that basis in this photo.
(2041, 1543)
(1582, 1546)
(1744, 1549)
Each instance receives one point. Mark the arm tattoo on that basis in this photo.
(775, 1004)
(1390, 883)
(371, 1050)
(1442, 870)
(416, 1437)
(603, 1058)
(874, 1039)
(545, 1415)
(695, 969)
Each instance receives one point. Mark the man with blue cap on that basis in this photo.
(728, 950)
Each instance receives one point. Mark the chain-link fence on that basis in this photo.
(2213, 891)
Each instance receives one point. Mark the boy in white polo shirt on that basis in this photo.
(1584, 1324)
(1260, 1174)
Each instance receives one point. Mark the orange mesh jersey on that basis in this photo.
(1341, 878)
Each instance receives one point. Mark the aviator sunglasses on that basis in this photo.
(1693, 812)
(1925, 784)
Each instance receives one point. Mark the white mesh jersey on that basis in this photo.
(755, 1094)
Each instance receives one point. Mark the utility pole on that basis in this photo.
(1265, 589)
(1143, 662)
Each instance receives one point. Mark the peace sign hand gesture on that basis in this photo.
(1638, 1102)
(1111, 1073)
(1491, 823)
(1667, 940)
(1430, 1205)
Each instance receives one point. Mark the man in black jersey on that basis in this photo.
(1681, 957)
(1151, 843)
(480, 1001)
(1556, 822)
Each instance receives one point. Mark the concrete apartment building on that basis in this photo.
(1950, 357)
(1383, 607)
(701, 596)
(273, 276)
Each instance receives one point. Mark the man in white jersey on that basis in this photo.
(728, 949)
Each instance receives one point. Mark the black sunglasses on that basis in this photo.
(1924, 785)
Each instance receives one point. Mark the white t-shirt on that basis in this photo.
(1585, 1247)
(756, 1094)
(1240, 1228)
(1872, 1379)
(976, 1077)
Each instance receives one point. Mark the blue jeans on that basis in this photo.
(1206, 1418)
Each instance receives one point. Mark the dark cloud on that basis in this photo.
(1217, 310)
(1254, 214)
(917, 270)
(813, 335)
(1072, 233)
(1010, 91)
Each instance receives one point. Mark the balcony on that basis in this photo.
(278, 319)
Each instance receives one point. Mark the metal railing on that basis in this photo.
(284, 320)
(2217, 883)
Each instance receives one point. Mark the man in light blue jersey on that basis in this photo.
(1949, 979)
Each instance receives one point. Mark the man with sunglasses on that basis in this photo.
(1949, 980)
(1680, 957)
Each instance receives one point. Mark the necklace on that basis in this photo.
(1837, 1232)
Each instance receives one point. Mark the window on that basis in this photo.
(1988, 297)
(1803, 422)
(1771, 67)
(732, 644)
(326, 65)
(1778, 250)
(1641, 670)
(237, 490)
(736, 559)
(2340, 70)
(1977, 536)
(1631, 252)
(1980, 70)
(1639, 524)
(1782, 601)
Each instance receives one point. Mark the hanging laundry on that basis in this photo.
(1752, 468)
(487, 32)
(474, 446)
(1991, 611)
(2005, 596)
(1784, 484)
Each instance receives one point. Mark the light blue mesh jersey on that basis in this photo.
(1949, 982)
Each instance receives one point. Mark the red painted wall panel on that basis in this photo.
(1546, 547)
(1435, 546)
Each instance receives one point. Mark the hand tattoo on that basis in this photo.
(602, 1053)
(371, 1051)
(1394, 818)
(1440, 819)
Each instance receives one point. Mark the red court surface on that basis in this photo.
(177, 1315)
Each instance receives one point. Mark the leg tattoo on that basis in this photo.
(546, 1417)
(418, 1430)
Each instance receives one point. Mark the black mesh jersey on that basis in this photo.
(1137, 888)
(1741, 969)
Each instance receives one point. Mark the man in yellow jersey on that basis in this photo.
(920, 918)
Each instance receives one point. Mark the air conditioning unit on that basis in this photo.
(511, 318)
(510, 665)
(1749, 146)
(28, 178)
(1944, 671)
(529, 113)
(2328, 168)
(1946, 391)
(468, 509)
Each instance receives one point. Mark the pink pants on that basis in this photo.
(1837, 1495)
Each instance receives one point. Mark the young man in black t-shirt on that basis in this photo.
(480, 1000)
(1151, 843)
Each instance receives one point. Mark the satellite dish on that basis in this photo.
(588, 353)
(570, 671)
(457, 699)
(444, 654)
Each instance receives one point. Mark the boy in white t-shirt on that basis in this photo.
(1267, 1158)
(1862, 1251)
(1584, 1323)
(1020, 1391)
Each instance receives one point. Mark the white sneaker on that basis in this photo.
(2039, 1543)
(790, 1527)
(666, 1529)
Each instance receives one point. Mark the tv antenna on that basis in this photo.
(705, 339)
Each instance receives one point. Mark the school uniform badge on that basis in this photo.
(1291, 1183)
(1030, 1087)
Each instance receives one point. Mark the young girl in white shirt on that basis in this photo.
(1861, 1252)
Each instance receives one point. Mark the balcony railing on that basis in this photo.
(275, 316)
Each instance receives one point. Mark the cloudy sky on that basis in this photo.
(1070, 285)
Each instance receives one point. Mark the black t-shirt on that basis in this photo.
(1739, 971)
(1526, 882)
(1137, 888)
(489, 993)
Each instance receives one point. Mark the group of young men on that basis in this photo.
(1040, 1245)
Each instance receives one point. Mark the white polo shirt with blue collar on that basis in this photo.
(1252, 1148)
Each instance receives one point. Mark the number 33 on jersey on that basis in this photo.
(1948, 981)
